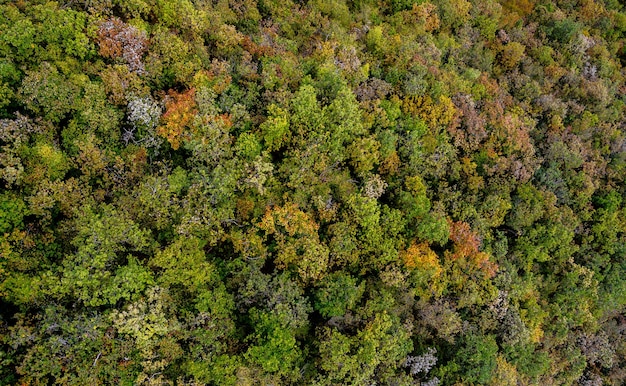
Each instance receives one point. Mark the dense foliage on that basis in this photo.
(323, 192)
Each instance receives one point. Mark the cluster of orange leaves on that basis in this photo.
(466, 244)
(180, 110)
(257, 50)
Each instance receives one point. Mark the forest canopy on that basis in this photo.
(322, 192)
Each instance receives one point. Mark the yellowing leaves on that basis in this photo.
(514, 10)
(426, 272)
(415, 185)
(591, 10)
(53, 159)
(512, 54)
(505, 373)
(180, 111)
(440, 113)
(92, 160)
(275, 130)
(298, 243)
(390, 165)
(294, 221)
(424, 14)
(536, 334)
(420, 256)
(184, 264)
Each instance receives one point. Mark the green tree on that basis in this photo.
(102, 268)
(373, 355)
(475, 360)
(337, 294)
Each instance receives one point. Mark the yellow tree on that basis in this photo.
(425, 269)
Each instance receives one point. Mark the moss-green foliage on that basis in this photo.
(12, 211)
(337, 294)
(243, 192)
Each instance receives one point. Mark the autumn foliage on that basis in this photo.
(180, 110)
(466, 244)
(118, 40)
(321, 192)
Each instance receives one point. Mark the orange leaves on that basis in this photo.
(217, 77)
(225, 119)
(515, 130)
(465, 247)
(180, 111)
(481, 260)
(465, 241)
(257, 50)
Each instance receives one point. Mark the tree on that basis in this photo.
(337, 294)
(12, 213)
(275, 129)
(117, 40)
(275, 349)
(50, 94)
(180, 109)
(240, 192)
(475, 361)
(150, 324)
(374, 354)
(183, 264)
(297, 241)
(103, 267)
(466, 244)
(426, 269)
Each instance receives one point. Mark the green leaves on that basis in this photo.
(275, 349)
(371, 356)
(242, 192)
(44, 33)
(183, 264)
(275, 129)
(21, 38)
(12, 211)
(476, 359)
(50, 94)
(337, 294)
(104, 241)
